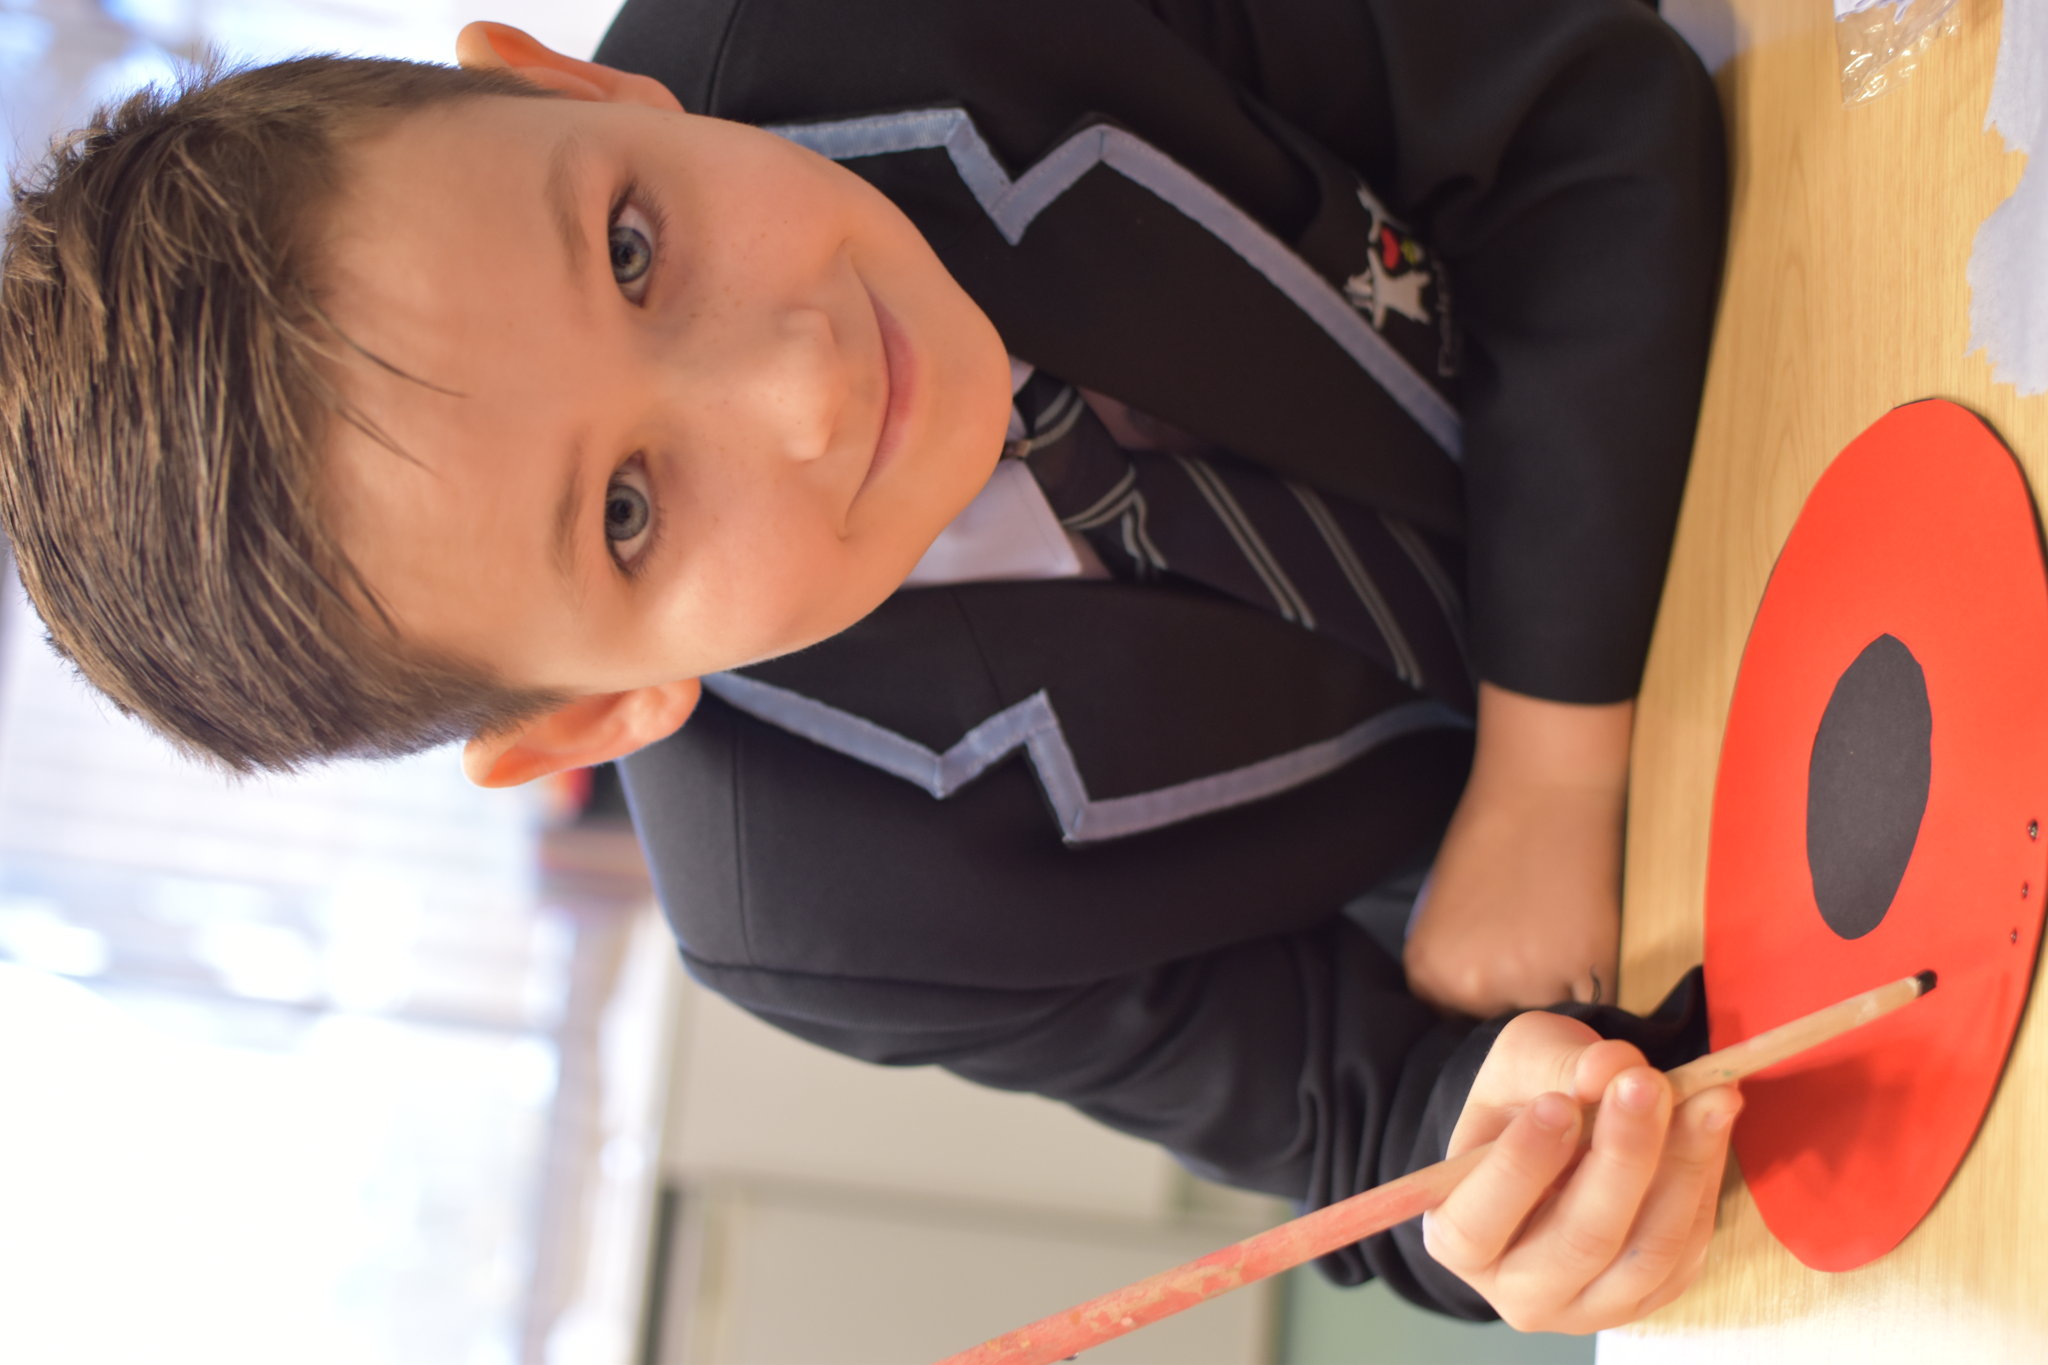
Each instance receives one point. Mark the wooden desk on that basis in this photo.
(1845, 295)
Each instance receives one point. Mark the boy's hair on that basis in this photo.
(167, 382)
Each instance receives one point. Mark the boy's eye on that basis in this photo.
(629, 514)
(632, 253)
(634, 243)
(625, 512)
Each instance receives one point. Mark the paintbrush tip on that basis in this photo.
(1925, 980)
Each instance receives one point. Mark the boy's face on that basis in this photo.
(693, 395)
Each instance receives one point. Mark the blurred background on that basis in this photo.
(371, 1066)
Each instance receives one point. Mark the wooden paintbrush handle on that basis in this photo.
(1375, 1210)
(1772, 1046)
(1270, 1252)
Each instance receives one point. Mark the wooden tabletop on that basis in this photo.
(1845, 295)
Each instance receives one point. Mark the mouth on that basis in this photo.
(899, 379)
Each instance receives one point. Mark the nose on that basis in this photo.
(786, 384)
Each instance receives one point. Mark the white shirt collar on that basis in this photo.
(1008, 533)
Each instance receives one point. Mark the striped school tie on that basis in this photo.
(1362, 577)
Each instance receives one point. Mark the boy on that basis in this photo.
(429, 410)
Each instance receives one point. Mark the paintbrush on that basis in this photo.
(1375, 1210)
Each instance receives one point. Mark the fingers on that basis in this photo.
(1630, 1230)
(1668, 1245)
(1563, 1238)
(1579, 1235)
(1690, 1264)
(1595, 1068)
(1471, 1229)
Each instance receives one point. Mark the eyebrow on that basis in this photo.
(564, 164)
(559, 189)
(567, 511)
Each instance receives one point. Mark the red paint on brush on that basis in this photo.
(1377, 1209)
(1338, 1225)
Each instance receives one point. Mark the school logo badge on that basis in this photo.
(1398, 271)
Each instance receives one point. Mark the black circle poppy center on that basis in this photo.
(1866, 787)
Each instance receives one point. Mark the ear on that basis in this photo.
(580, 733)
(484, 45)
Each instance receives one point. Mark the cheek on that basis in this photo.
(759, 581)
(815, 585)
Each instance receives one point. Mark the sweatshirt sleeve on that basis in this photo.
(1172, 987)
(1563, 159)
(1296, 1065)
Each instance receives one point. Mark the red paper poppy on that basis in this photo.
(1880, 810)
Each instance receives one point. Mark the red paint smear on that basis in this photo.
(1067, 1333)
(1922, 529)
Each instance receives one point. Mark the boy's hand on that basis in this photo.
(1560, 1240)
(1523, 907)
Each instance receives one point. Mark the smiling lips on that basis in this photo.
(899, 377)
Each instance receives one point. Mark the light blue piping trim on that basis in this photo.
(1032, 725)
(1013, 204)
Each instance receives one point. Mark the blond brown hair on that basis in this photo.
(165, 387)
